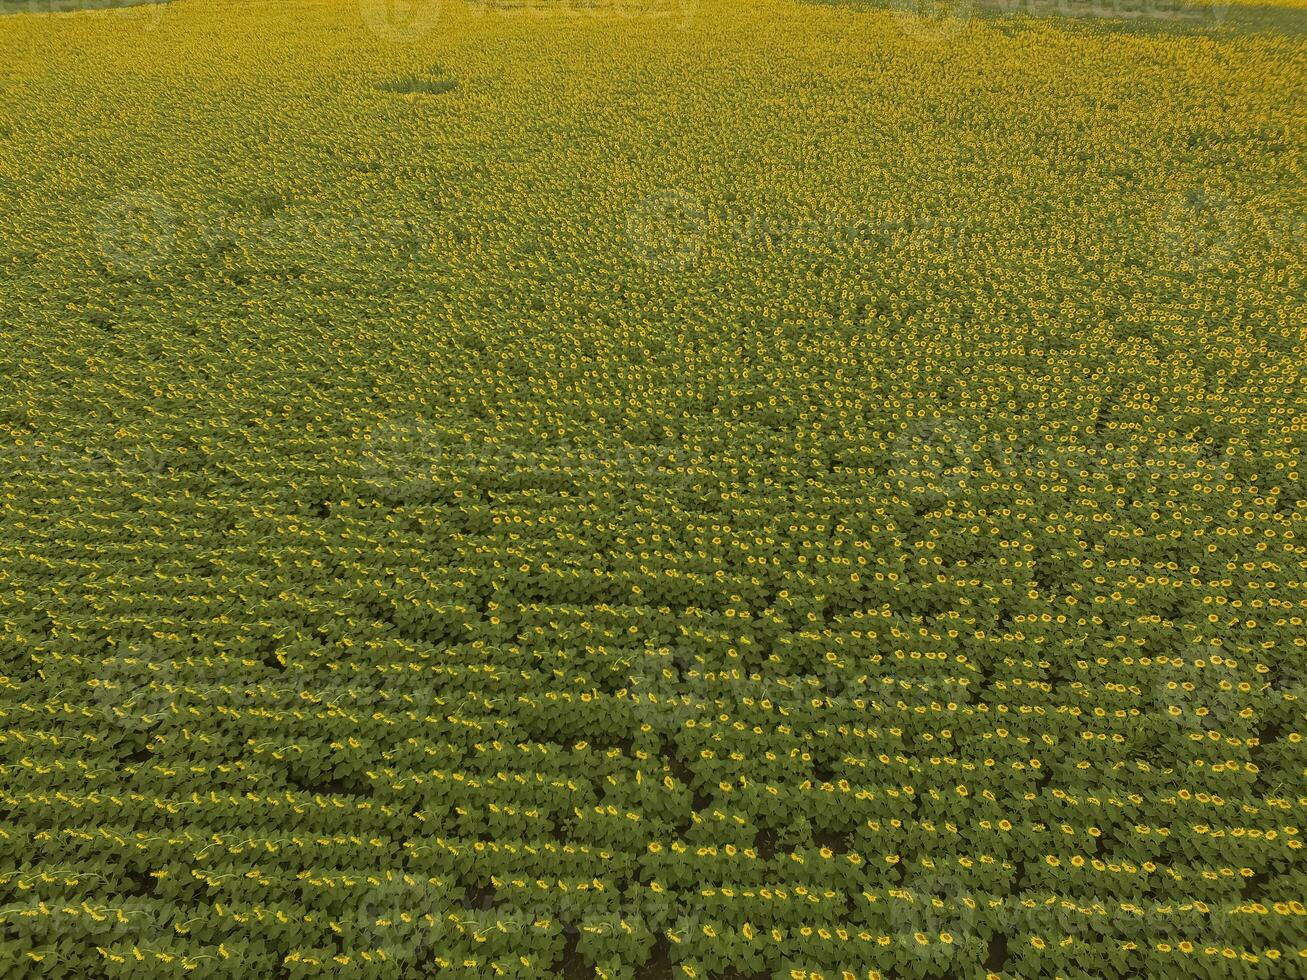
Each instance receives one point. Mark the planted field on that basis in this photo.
(705, 489)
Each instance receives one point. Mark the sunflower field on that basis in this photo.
(653, 488)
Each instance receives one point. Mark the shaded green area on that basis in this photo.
(68, 6)
(419, 85)
(1130, 16)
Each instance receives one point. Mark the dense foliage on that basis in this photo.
(735, 489)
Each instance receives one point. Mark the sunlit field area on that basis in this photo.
(652, 488)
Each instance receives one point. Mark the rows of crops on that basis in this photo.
(704, 490)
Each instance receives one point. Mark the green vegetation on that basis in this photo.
(754, 489)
